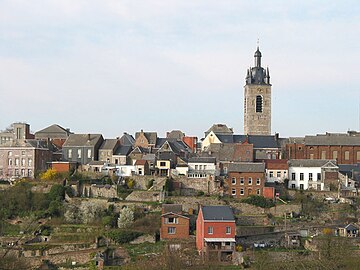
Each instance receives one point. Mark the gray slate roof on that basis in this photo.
(122, 150)
(219, 129)
(332, 139)
(53, 130)
(246, 167)
(175, 134)
(82, 140)
(309, 162)
(202, 160)
(218, 212)
(259, 141)
(127, 140)
(109, 144)
(351, 170)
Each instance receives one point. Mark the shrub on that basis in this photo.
(122, 236)
(50, 174)
(130, 183)
(126, 217)
(259, 201)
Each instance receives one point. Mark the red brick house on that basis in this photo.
(215, 233)
(245, 179)
(174, 225)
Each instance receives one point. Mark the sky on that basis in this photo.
(124, 65)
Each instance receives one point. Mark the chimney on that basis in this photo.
(89, 137)
(276, 136)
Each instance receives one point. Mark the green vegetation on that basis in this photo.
(259, 201)
(123, 236)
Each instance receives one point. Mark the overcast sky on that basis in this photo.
(120, 66)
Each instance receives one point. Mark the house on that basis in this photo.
(145, 139)
(82, 148)
(174, 224)
(276, 170)
(16, 132)
(202, 167)
(55, 133)
(175, 134)
(245, 179)
(22, 158)
(342, 147)
(107, 149)
(142, 167)
(127, 140)
(215, 233)
(349, 230)
(314, 174)
(121, 155)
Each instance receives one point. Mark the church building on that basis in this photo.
(257, 99)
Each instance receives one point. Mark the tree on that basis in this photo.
(126, 217)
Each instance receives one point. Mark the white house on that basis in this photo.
(202, 167)
(309, 173)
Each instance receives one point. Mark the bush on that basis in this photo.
(50, 174)
(122, 236)
(259, 201)
(130, 183)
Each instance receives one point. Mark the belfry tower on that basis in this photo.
(257, 99)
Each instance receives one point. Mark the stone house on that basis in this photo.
(107, 150)
(174, 224)
(145, 139)
(121, 155)
(22, 158)
(82, 148)
(245, 179)
(276, 170)
(215, 233)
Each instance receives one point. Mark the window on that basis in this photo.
(171, 230)
(250, 181)
(358, 155)
(29, 162)
(233, 191)
(204, 167)
(311, 156)
(18, 133)
(278, 174)
(258, 181)
(163, 164)
(22, 172)
(171, 220)
(16, 172)
(70, 153)
(241, 180)
(319, 176)
(23, 162)
(210, 230)
(301, 176)
(23, 153)
(89, 153)
(29, 172)
(241, 191)
(310, 176)
(293, 176)
(323, 154)
(233, 181)
(302, 186)
(271, 174)
(9, 153)
(259, 104)
(16, 162)
(10, 162)
(347, 155)
(228, 230)
(258, 192)
(293, 186)
(196, 167)
(79, 153)
(335, 154)
(200, 167)
(225, 170)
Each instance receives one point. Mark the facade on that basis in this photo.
(174, 224)
(121, 155)
(142, 167)
(145, 139)
(107, 149)
(342, 147)
(257, 99)
(349, 230)
(276, 170)
(24, 158)
(312, 174)
(215, 233)
(245, 179)
(16, 132)
(202, 167)
(82, 148)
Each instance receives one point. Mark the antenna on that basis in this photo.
(258, 42)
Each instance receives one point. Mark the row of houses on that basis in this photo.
(247, 164)
(216, 230)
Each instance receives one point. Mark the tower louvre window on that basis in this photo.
(259, 104)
